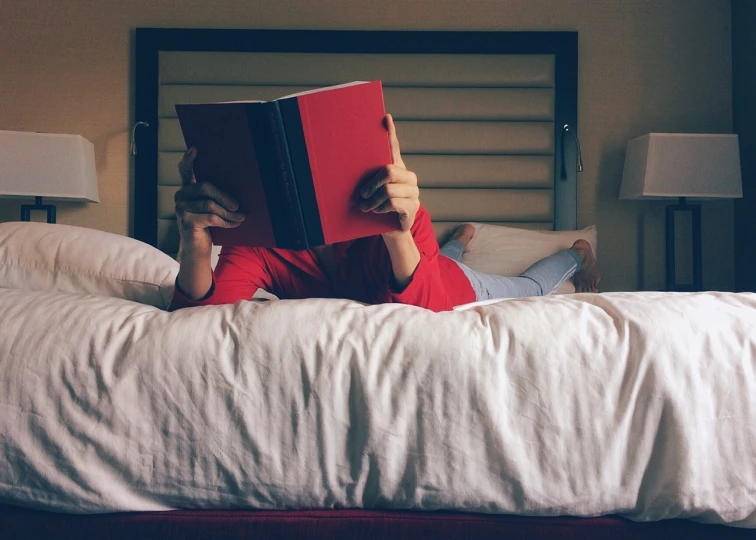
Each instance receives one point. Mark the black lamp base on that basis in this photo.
(695, 211)
(26, 210)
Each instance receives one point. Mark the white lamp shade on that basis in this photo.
(661, 165)
(47, 165)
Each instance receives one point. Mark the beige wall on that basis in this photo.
(645, 65)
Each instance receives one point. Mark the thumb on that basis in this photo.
(396, 153)
(186, 167)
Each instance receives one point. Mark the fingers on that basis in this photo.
(405, 208)
(202, 205)
(206, 190)
(203, 214)
(186, 167)
(396, 153)
(387, 193)
(190, 220)
(391, 174)
(401, 206)
(207, 206)
(392, 189)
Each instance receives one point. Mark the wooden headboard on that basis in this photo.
(480, 115)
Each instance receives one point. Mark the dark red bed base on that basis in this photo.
(337, 524)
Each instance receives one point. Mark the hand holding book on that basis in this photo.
(200, 206)
(393, 188)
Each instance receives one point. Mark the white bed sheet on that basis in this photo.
(639, 404)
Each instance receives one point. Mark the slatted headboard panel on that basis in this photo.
(479, 125)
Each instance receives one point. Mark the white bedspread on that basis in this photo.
(640, 404)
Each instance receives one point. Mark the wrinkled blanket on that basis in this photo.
(638, 404)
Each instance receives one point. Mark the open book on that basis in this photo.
(294, 163)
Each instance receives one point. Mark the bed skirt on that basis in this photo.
(329, 524)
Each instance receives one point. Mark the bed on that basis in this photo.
(633, 418)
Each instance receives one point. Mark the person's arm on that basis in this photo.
(238, 274)
(199, 206)
(425, 287)
(195, 277)
(405, 256)
(413, 250)
(394, 189)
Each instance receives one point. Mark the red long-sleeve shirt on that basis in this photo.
(362, 272)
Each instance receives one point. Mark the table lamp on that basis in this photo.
(49, 165)
(683, 166)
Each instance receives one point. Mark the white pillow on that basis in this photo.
(42, 256)
(509, 251)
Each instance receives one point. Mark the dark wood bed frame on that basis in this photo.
(342, 523)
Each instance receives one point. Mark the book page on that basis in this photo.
(239, 101)
(324, 89)
(303, 93)
(221, 102)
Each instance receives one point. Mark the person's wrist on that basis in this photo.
(398, 237)
(405, 257)
(196, 241)
(195, 277)
(401, 246)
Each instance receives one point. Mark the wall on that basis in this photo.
(744, 120)
(645, 65)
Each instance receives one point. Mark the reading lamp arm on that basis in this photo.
(133, 151)
(567, 129)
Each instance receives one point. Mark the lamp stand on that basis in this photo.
(695, 211)
(26, 210)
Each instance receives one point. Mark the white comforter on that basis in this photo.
(641, 404)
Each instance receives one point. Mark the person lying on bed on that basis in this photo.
(404, 266)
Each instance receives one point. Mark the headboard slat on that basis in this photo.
(320, 69)
(449, 138)
(482, 171)
(489, 204)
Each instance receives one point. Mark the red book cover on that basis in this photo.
(347, 141)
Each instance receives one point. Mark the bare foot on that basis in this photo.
(587, 280)
(464, 234)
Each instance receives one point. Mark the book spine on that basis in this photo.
(300, 161)
(278, 176)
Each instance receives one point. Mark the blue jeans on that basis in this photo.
(544, 277)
